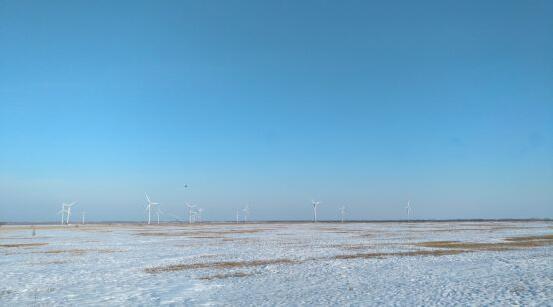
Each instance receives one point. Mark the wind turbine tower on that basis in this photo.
(199, 212)
(149, 207)
(190, 212)
(315, 204)
(62, 212)
(158, 212)
(409, 210)
(68, 211)
(246, 211)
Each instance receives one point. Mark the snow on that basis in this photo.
(106, 265)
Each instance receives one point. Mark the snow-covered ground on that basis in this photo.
(278, 264)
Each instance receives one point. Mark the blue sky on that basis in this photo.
(359, 103)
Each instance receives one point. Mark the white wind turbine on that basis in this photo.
(62, 212)
(237, 216)
(158, 212)
(82, 216)
(199, 212)
(149, 207)
(409, 210)
(68, 211)
(315, 204)
(246, 212)
(342, 212)
(190, 212)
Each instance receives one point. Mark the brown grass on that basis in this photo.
(22, 245)
(216, 265)
(229, 275)
(339, 230)
(61, 251)
(78, 251)
(458, 229)
(350, 246)
(401, 254)
(464, 245)
(508, 244)
(547, 237)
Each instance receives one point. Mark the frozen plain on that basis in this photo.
(255, 264)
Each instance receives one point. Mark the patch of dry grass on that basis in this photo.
(464, 245)
(62, 251)
(24, 245)
(228, 275)
(78, 251)
(350, 246)
(339, 230)
(401, 254)
(458, 229)
(216, 265)
(509, 243)
(548, 237)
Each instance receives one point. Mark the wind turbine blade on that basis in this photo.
(147, 198)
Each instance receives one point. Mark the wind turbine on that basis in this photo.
(158, 212)
(237, 216)
(199, 211)
(190, 212)
(342, 212)
(68, 206)
(149, 207)
(315, 204)
(246, 211)
(409, 210)
(82, 216)
(62, 212)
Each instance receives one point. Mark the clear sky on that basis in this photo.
(274, 103)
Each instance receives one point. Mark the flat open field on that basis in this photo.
(483, 263)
